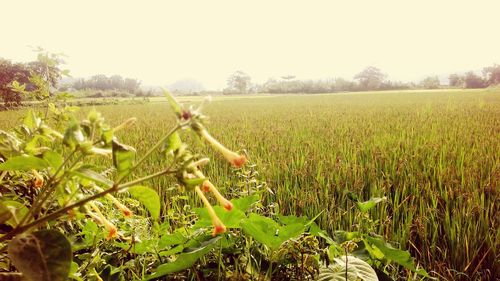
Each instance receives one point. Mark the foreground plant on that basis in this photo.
(63, 214)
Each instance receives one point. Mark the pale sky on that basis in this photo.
(160, 42)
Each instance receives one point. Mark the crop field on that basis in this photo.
(434, 155)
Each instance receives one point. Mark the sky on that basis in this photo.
(160, 42)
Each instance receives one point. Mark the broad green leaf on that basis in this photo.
(401, 257)
(244, 203)
(24, 163)
(93, 176)
(123, 157)
(269, 232)
(184, 260)
(315, 230)
(171, 239)
(54, 159)
(148, 197)
(173, 143)
(231, 219)
(42, 255)
(143, 247)
(286, 220)
(367, 205)
(173, 102)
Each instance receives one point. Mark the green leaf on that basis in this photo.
(173, 143)
(244, 203)
(367, 205)
(17, 212)
(5, 213)
(171, 239)
(123, 157)
(93, 176)
(269, 232)
(231, 219)
(184, 260)
(401, 257)
(54, 159)
(173, 102)
(286, 220)
(9, 144)
(31, 121)
(24, 163)
(148, 197)
(42, 255)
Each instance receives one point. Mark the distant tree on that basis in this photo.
(238, 82)
(431, 82)
(492, 75)
(9, 73)
(116, 82)
(456, 80)
(473, 81)
(131, 85)
(370, 78)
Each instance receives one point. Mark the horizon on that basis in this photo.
(162, 43)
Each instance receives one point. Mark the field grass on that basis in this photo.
(435, 155)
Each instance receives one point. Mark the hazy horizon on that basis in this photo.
(160, 43)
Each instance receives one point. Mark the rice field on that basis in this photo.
(435, 155)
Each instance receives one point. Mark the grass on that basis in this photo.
(433, 154)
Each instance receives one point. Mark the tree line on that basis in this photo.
(369, 79)
(102, 82)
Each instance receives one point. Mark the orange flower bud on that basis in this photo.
(100, 218)
(113, 232)
(219, 227)
(38, 179)
(232, 157)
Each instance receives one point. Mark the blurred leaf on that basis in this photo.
(173, 102)
(123, 157)
(93, 176)
(31, 121)
(5, 213)
(184, 260)
(54, 159)
(42, 255)
(17, 211)
(173, 143)
(73, 136)
(148, 197)
(24, 163)
(190, 183)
